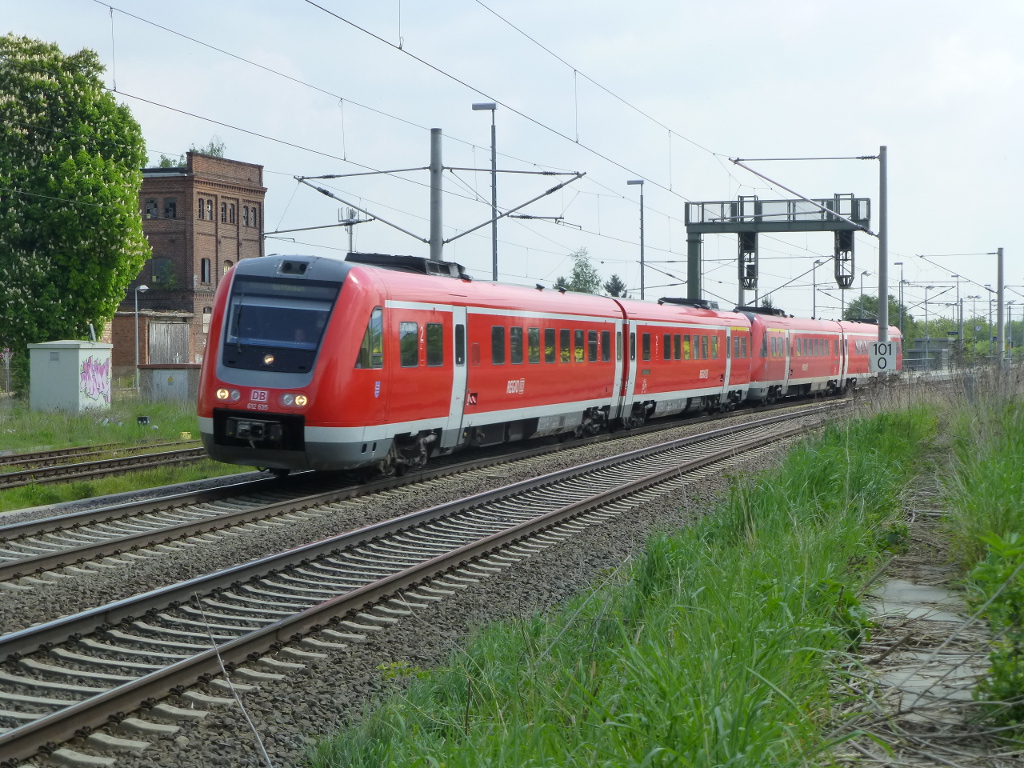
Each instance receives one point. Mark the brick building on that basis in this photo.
(200, 220)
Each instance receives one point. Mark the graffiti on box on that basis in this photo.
(95, 379)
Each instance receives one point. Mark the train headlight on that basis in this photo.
(292, 400)
(229, 394)
(268, 359)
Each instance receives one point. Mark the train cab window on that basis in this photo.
(618, 346)
(686, 346)
(460, 344)
(565, 345)
(550, 351)
(714, 347)
(647, 346)
(578, 344)
(409, 344)
(533, 345)
(498, 344)
(666, 346)
(606, 346)
(515, 343)
(677, 347)
(632, 345)
(435, 344)
(371, 352)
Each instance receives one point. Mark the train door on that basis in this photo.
(628, 375)
(453, 428)
(789, 362)
(621, 342)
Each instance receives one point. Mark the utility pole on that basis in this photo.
(883, 244)
(999, 300)
(436, 174)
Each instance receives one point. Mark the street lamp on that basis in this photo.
(865, 272)
(814, 288)
(492, 107)
(641, 183)
(900, 265)
(138, 289)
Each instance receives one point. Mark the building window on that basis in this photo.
(224, 212)
(207, 314)
(204, 271)
(209, 209)
(227, 267)
(202, 208)
(151, 208)
(255, 218)
(231, 213)
(163, 272)
(170, 208)
(245, 216)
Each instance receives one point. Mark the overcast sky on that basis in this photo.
(663, 90)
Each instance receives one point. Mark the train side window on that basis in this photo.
(578, 342)
(704, 347)
(533, 345)
(516, 345)
(632, 345)
(714, 347)
(743, 347)
(686, 346)
(606, 346)
(735, 346)
(460, 344)
(592, 346)
(435, 344)
(764, 346)
(550, 351)
(409, 344)
(618, 346)
(647, 346)
(565, 345)
(666, 346)
(677, 347)
(775, 347)
(371, 351)
(498, 344)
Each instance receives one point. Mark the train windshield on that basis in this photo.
(276, 324)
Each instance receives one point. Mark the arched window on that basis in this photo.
(202, 208)
(231, 214)
(227, 266)
(207, 314)
(245, 216)
(224, 212)
(255, 220)
(209, 209)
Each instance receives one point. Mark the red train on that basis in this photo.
(316, 363)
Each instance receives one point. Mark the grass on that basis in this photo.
(717, 647)
(23, 430)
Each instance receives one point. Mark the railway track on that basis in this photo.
(34, 547)
(72, 675)
(140, 457)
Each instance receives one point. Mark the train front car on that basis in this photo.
(264, 366)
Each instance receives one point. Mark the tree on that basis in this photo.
(615, 287)
(215, 149)
(70, 171)
(584, 279)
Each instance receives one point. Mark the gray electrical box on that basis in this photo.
(72, 376)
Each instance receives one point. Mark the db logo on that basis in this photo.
(472, 398)
(259, 396)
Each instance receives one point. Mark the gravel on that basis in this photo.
(315, 701)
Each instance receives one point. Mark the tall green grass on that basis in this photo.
(714, 648)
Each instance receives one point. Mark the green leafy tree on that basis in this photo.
(215, 148)
(615, 287)
(584, 277)
(70, 171)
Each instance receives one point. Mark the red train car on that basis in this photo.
(315, 363)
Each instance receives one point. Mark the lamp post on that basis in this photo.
(927, 336)
(492, 108)
(138, 289)
(900, 293)
(862, 274)
(641, 183)
(814, 288)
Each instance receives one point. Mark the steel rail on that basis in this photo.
(35, 457)
(61, 472)
(14, 569)
(81, 717)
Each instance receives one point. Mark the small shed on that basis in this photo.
(71, 376)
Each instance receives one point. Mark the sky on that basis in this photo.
(668, 91)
